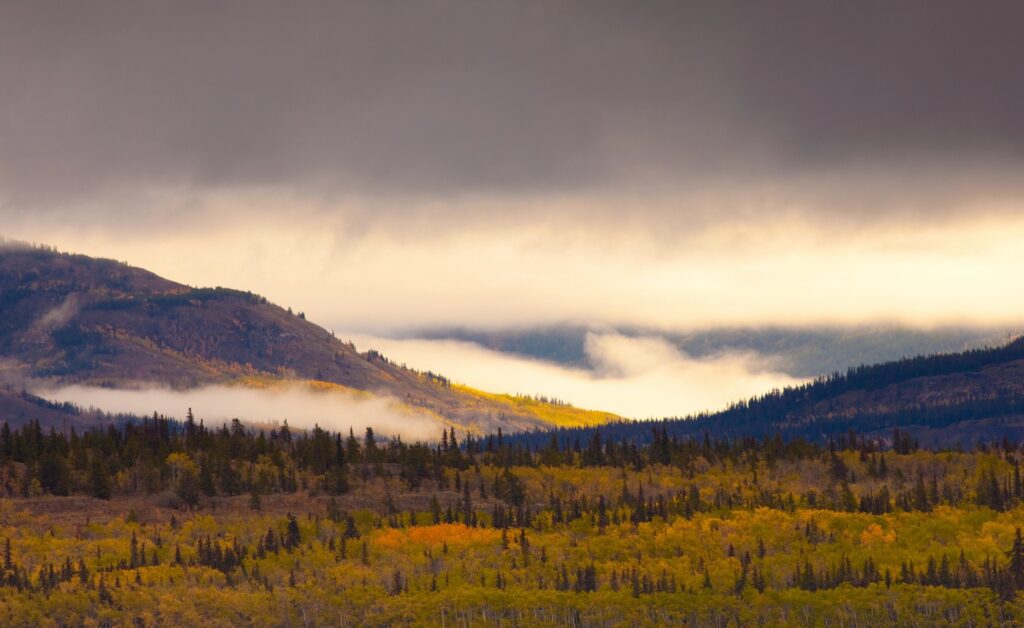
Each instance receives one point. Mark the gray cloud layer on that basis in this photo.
(873, 106)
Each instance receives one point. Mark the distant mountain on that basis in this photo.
(77, 319)
(803, 352)
(939, 400)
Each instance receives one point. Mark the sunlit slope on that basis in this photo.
(494, 408)
(557, 415)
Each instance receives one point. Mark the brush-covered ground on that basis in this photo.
(370, 533)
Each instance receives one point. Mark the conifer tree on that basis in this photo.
(99, 478)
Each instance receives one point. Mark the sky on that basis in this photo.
(387, 165)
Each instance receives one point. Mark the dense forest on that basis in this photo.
(159, 521)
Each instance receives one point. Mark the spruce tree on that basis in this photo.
(1016, 556)
(99, 478)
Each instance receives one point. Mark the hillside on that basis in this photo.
(76, 319)
(943, 399)
(18, 407)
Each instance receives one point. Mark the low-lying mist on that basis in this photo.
(300, 406)
(637, 377)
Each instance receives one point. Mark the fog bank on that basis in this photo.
(301, 407)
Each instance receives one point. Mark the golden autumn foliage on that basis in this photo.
(232, 526)
(376, 556)
(558, 415)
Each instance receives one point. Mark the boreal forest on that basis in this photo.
(156, 521)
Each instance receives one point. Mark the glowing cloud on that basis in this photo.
(635, 377)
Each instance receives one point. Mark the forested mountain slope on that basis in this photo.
(941, 399)
(77, 319)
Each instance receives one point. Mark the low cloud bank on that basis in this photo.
(640, 377)
(301, 407)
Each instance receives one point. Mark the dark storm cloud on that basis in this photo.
(431, 99)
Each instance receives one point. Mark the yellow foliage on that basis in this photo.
(874, 534)
(454, 534)
(551, 413)
(266, 382)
